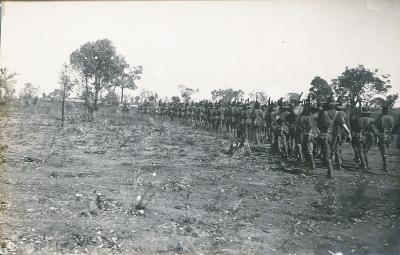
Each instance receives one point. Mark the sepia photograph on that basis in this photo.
(200, 127)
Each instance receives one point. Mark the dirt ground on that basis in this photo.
(139, 185)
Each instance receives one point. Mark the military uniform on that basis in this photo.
(329, 122)
(362, 135)
(257, 117)
(383, 128)
(308, 124)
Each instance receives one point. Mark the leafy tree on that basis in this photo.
(99, 66)
(293, 98)
(7, 82)
(260, 96)
(126, 80)
(147, 95)
(67, 82)
(390, 100)
(111, 98)
(175, 99)
(320, 90)
(361, 84)
(28, 92)
(226, 95)
(55, 95)
(187, 93)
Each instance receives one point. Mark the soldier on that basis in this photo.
(257, 115)
(309, 127)
(382, 128)
(237, 119)
(246, 121)
(212, 117)
(243, 120)
(171, 111)
(282, 130)
(202, 114)
(363, 136)
(270, 120)
(264, 133)
(221, 118)
(295, 136)
(228, 117)
(329, 120)
(340, 133)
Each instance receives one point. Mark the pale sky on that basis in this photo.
(276, 46)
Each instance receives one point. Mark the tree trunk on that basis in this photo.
(122, 94)
(87, 94)
(96, 96)
(97, 88)
(63, 107)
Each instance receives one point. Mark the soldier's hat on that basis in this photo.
(256, 105)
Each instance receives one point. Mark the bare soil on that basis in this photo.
(140, 185)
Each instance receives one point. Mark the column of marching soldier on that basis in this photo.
(295, 129)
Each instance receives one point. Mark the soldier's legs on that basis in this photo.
(359, 151)
(310, 151)
(284, 145)
(258, 133)
(300, 152)
(326, 152)
(383, 145)
(278, 144)
(247, 132)
(354, 146)
(365, 152)
(336, 147)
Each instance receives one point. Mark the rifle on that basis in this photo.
(300, 96)
(280, 103)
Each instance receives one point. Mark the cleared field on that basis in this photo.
(138, 185)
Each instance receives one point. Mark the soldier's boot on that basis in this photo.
(385, 166)
(330, 168)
